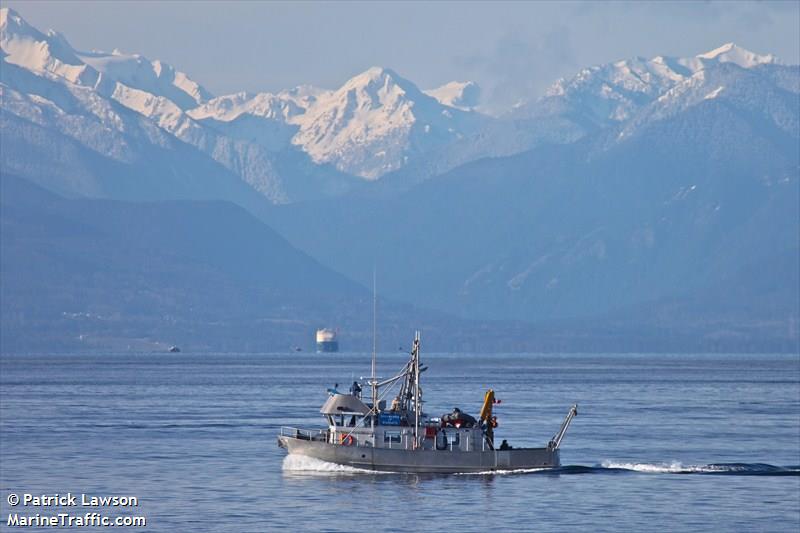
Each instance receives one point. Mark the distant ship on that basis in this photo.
(326, 340)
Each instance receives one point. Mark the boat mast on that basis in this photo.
(374, 380)
(417, 400)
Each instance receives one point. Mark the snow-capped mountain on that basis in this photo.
(731, 53)
(619, 95)
(768, 98)
(611, 94)
(154, 77)
(26, 46)
(376, 123)
(99, 101)
(308, 142)
(461, 94)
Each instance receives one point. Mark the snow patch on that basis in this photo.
(459, 94)
(731, 53)
(713, 94)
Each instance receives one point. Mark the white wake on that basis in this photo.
(302, 463)
(503, 472)
(674, 467)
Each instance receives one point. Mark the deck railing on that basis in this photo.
(305, 434)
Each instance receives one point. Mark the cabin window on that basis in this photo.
(391, 436)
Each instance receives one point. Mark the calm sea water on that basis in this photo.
(662, 442)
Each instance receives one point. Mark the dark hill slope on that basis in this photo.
(186, 272)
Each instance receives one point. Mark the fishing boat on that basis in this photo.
(401, 437)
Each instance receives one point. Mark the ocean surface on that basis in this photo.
(661, 443)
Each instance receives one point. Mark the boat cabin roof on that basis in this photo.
(344, 404)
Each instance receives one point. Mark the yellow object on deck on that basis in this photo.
(488, 402)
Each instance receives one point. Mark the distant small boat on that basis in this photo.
(174, 349)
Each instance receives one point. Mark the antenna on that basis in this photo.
(374, 320)
(374, 343)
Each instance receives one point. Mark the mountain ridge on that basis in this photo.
(376, 124)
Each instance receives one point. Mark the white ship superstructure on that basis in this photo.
(327, 341)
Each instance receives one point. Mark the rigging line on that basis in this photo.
(374, 411)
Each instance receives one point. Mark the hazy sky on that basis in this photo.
(513, 50)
